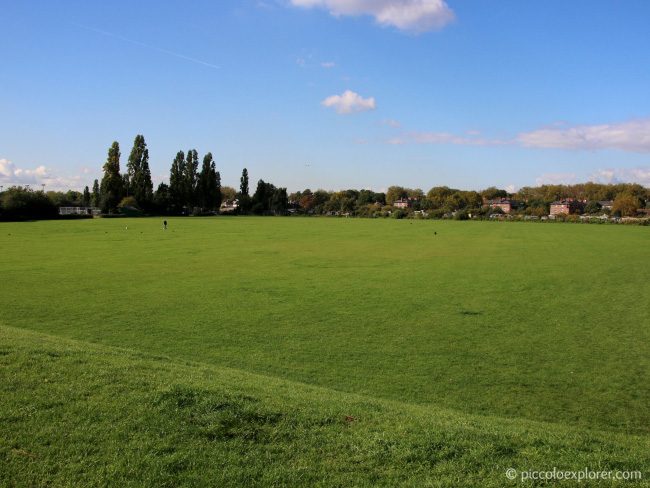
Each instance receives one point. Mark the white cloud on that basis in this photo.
(408, 15)
(633, 136)
(11, 175)
(627, 136)
(349, 102)
(556, 179)
(328, 64)
(622, 175)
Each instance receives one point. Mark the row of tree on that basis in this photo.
(198, 191)
(22, 203)
(188, 188)
(191, 191)
(442, 201)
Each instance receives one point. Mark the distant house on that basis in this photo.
(606, 204)
(229, 205)
(404, 202)
(505, 204)
(79, 211)
(565, 207)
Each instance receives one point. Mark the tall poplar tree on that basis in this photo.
(209, 186)
(243, 196)
(176, 184)
(85, 200)
(217, 190)
(205, 187)
(96, 199)
(145, 187)
(190, 178)
(112, 189)
(139, 174)
(243, 183)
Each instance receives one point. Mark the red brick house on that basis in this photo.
(505, 204)
(565, 207)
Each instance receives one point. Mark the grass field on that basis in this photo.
(457, 349)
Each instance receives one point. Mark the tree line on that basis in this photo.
(446, 202)
(194, 190)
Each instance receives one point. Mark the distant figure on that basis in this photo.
(164, 225)
(435, 233)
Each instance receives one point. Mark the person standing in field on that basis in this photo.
(164, 225)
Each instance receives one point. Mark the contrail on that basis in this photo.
(142, 44)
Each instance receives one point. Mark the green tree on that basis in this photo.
(626, 205)
(592, 208)
(191, 178)
(319, 200)
(176, 186)
(85, 200)
(145, 184)
(209, 185)
(243, 183)
(261, 202)
(493, 193)
(218, 196)
(112, 187)
(269, 200)
(203, 187)
(438, 195)
(96, 198)
(395, 193)
(138, 172)
(19, 203)
(162, 200)
(245, 203)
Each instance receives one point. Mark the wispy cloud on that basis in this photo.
(149, 46)
(11, 175)
(623, 175)
(407, 15)
(631, 136)
(328, 64)
(395, 124)
(556, 179)
(473, 139)
(349, 102)
(639, 175)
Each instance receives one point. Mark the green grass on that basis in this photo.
(76, 414)
(508, 344)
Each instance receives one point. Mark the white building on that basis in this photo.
(79, 211)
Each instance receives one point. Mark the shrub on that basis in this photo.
(128, 202)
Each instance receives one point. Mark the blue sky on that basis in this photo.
(330, 93)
